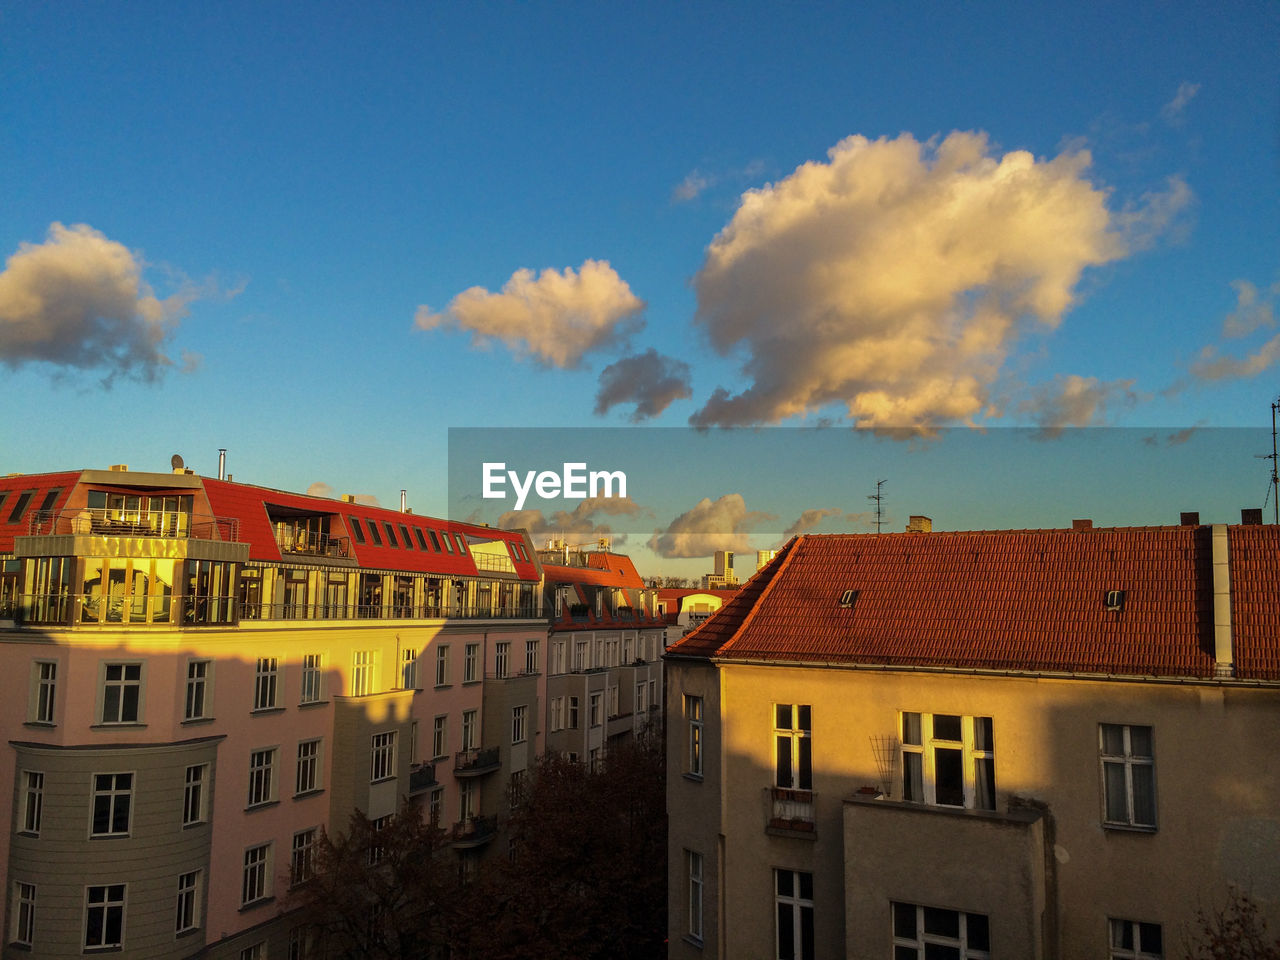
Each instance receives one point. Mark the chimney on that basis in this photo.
(1189, 518)
(1081, 524)
(222, 463)
(919, 524)
(1251, 516)
(119, 467)
(403, 502)
(1223, 650)
(348, 498)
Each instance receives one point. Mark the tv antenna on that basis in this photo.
(878, 497)
(1273, 486)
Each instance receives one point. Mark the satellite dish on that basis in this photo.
(176, 461)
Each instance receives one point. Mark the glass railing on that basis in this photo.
(134, 523)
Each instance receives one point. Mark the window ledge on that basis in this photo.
(194, 824)
(314, 792)
(693, 941)
(695, 777)
(189, 932)
(261, 806)
(439, 686)
(263, 711)
(313, 703)
(197, 721)
(254, 904)
(470, 683)
(41, 724)
(1128, 827)
(108, 836)
(382, 780)
(127, 724)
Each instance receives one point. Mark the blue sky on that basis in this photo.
(1055, 216)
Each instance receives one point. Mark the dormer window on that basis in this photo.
(1113, 600)
(848, 598)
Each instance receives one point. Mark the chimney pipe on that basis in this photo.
(1189, 518)
(1251, 516)
(222, 463)
(403, 503)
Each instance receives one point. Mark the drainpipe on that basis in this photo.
(1223, 651)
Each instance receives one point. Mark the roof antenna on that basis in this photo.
(878, 497)
(1273, 485)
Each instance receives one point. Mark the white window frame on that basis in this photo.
(557, 714)
(530, 656)
(44, 691)
(409, 668)
(693, 707)
(972, 759)
(262, 776)
(1129, 764)
(557, 656)
(615, 704)
(467, 796)
(571, 717)
(117, 688)
(306, 777)
(362, 667)
(302, 856)
(797, 905)
(312, 678)
(107, 903)
(799, 739)
(440, 737)
(922, 940)
(255, 879)
(194, 794)
(1138, 950)
(470, 730)
(501, 659)
(31, 810)
(595, 705)
(266, 683)
(519, 717)
(693, 872)
(112, 792)
(382, 758)
(196, 706)
(470, 663)
(187, 913)
(442, 665)
(24, 913)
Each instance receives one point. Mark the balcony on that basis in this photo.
(475, 763)
(492, 562)
(472, 832)
(790, 813)
(168, 524)
(312, 544)
(422, 777)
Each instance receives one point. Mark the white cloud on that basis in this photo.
(709, 526)
(320, 489)
(555, 317)
(1075, 401)
(1172, 112)
(689, 188)
(79, 300)
(895, 278)
(649, 380)
(810, 519)
(576, 523)
(1254, 311)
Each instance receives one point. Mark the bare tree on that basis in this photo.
(1235, 931)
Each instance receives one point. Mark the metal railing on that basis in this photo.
(497, 562)
(790, 809)
(314, 545)
(473, 831)
(421, 778)
(92, 609)
(475, 760)
(379, 611)
(169, 524)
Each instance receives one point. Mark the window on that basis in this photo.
(442, 665)
(502, 659)
(926, 932)
(1113, 600)
(693, 714)
(377, 850)
(436, 805)
(104, 916)
(948, 760)
(793, 753)
(518, 715)
(312, 670)
(557, 656)
(373, 532)
(471, 663)
(470, 740)
(462, 544)
(302, 942)
(439, 738)
(20, 505)
(112, 800)
(693, 868)
(383, 763)
(187, 916)
(1128, 775)
(193, 794)
(557, 714)
(391, 534)
(264, 684)
(571, 715)
(307, 776)
(32, 802)
(1131, 940)
(356, 530)
(121, 691)
(531, 656)
(466, 800)
(197, 686)
(259, 950)
(254, 884)
(362, 673)
(24, 913)
(422, 543)
(302, 860)
(262, 776)
(615, 706)
(45, 677)
(582, 658)
(596, 707)
(516, 788)
(794, 902)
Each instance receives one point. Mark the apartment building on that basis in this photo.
(1034, 744)
(686, 609)
(604, 675)
(197, 676)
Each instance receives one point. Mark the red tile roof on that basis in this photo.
(602, 570)
(1010, 600)
(15, 486)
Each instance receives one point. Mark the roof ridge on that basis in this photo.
(785, 557)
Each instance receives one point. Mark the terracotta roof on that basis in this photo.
(11, 488)
(604, 570)
(1017, 600)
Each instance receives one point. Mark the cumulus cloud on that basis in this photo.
(649, 380)
(577, 522)
(320, 489)
(894, 278)
(1253, 311)
(689, 188)
(1075, 401)
(554, 317)
(79, 300)
(1172, 112)
(810, 519)
(1211, 365)
(709, 526)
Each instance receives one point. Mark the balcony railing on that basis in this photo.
(67, 609)
(473, 831)
(473, 763)
(314, 545)
(134, 523)
(496, 562)
(790, 810)
(422, 778)
(378, 611)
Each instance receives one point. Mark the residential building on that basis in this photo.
(685, 609)
(198, 676)
(1041, 744)
(604, 669)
